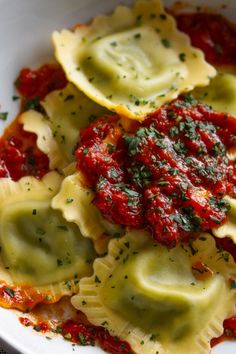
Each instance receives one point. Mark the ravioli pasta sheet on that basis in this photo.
(75, 201)
(220, 94)
(57, 132)
(37, 123)
(132, 61)
(228, 229)
(142, 293)
(38, 247)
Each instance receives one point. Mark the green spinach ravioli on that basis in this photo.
(81, 211)
(132, 61)
(66, 112)
(39, 248)
(159, 300)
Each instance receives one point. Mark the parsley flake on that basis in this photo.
(9, 291)
(166, 43)
(3, 116)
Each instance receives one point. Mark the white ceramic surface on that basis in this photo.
(25, 28)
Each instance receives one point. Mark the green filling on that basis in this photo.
(156, 291)
(40, 247)
(220, 94)
(124, 62)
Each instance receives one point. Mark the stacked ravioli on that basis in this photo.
(159, 300)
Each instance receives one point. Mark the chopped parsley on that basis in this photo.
(59, 262)
(85, 151)
(69, 200)
(182, 57)
(68, 336)
(40, 231)
(218, 149)
(33, 104)
(83, 340)
(62, 227)
(163, 17)
(69, 98)
(9, 291)
(137, 36)
(179, 147)
(97, 280)
(15, 98)
(166, 43)
(233, 284)
(37, 328)
(215, 220)
(3, 116)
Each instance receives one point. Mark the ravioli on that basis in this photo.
(67, 111)
(37, 123)
(132, 61)
(75, 202)
(220, 94)
(228, 229)
(38, 247)
(160, 300)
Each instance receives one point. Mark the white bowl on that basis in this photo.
(25, 29)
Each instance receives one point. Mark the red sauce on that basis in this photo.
(229, 331)
(170, 174)
(25, 321)
(23, 298)
(91, 335)
(39, 327)
(213, 34)
(81, 332)
(34, 85)
(19, 155)
(228, 245)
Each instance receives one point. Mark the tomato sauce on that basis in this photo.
(213, 34)
(91, 335)
(229, 331)
(228, 245)
(39, 327)
(19, 155)
(78, 330)
(169, 175)
(23, 298)
(34, 85)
